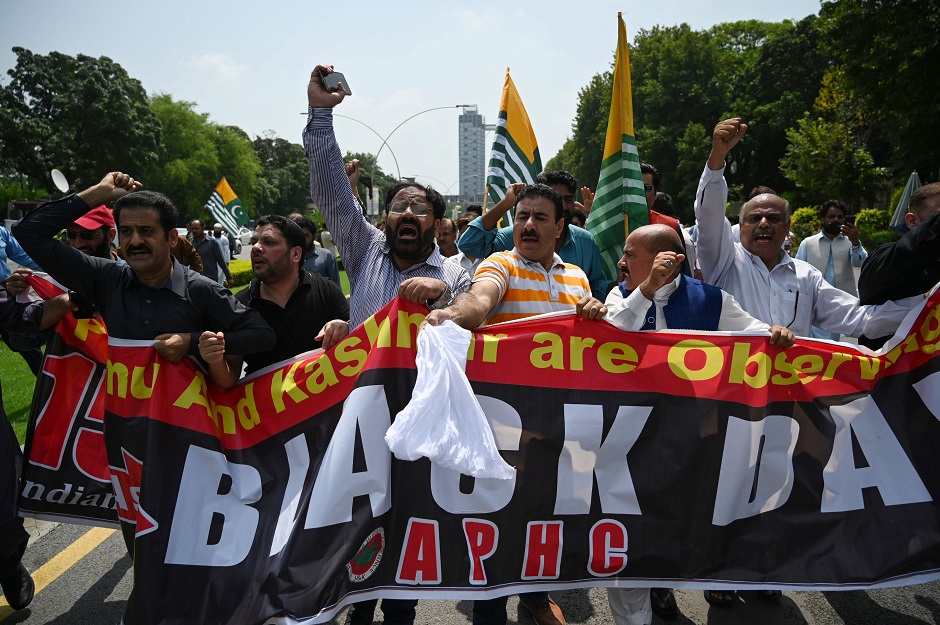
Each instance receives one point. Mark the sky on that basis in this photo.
(247, 63)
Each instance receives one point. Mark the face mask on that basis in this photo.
(832, 228)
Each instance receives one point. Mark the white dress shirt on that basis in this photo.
(629, 313)
(793, 294)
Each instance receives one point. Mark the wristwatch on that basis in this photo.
(443, 300)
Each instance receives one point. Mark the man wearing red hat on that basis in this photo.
(93, 233)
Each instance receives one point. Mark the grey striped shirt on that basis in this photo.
(373, 275)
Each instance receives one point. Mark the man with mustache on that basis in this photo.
(381, 265)
(768, 284)
(575, 245)
(152, 296)
(306, 310)
(530, 279)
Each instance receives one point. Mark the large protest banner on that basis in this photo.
(643, 459)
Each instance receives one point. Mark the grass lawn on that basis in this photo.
(18, 382)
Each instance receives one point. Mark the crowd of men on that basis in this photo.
(162, 287)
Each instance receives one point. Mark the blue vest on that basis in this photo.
(694, 305)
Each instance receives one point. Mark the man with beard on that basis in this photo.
(531, 279)
(316, 259)
(575, 245)
(152, 296)
(223, 242)
(402, 260)
(767, 283)
(210, 251)
(93, 233)
(306, 310)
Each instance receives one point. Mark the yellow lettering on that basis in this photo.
(616, 357)
(838, 358)
(868, 367)
(379, 335)
(321, 375)
(85, 326)
(490, 343)
(139, 388)
(117, 377)
(550, 356)
(405, 324)
(196, 394)
(714, 360)
(782, 365)
(909, 344)
(357, 357)
(224, 414)
(247, 409)
(806, 365)
(283, 384)
(578, 345)
(741, 359)
(930, 330)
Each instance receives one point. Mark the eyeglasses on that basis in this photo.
(85, 235)
(647, 187)
(419, 209)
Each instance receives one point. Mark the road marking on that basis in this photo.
(63, 561)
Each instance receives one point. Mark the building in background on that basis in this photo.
(472, 150)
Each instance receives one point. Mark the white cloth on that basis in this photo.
(629, 313)
(444, 421)
(464, 261)
(630, 606)
(793, 294)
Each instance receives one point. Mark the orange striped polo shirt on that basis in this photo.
(527, 289)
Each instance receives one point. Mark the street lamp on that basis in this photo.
(375, 160)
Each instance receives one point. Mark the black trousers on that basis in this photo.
(13, 537)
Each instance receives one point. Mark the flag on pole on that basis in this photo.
(226, 208)
(619, 204)
(515, 153)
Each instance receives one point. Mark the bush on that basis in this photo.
(241, 271)
(871, 220)
(804, 222)
(880, 237)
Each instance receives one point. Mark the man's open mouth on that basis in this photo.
(407, 231)
(763, 236)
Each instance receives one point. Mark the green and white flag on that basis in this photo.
(515, 153)
(226, 208)
(620, 203)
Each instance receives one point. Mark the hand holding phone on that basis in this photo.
(332, 82)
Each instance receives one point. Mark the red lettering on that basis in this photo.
(54, 423)
(89, 455)
(420, 561)
(542, 550)
(482, 537)
(608, 548)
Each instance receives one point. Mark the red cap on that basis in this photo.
(96, 218)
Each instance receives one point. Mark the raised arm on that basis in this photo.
(468, 309)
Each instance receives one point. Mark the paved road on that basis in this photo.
(84, 576)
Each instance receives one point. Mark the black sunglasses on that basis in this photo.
(85, 235)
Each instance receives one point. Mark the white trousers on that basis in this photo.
(630, 606)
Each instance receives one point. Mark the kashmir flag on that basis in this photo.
(619, 204)
(226, 208)
(515, 153)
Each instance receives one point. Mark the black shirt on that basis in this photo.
(188, 302)
(313, 303)
(904, 268)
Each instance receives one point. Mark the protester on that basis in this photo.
(185, 253)
(317, 260)
(27, 347)
(380, 265)
(578, 218)
(210, 251)
(575, 246)
(306, 310)
(909, 266)
(15, 581)
(223, 242)
(834, 251)
(767, 283)
(528, 280)
(447, 238)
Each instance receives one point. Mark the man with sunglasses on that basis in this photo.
(93, 233)
(763, 278)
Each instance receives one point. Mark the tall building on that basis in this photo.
(472, 148)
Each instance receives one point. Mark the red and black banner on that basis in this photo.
(643, 459)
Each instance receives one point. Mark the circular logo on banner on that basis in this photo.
(368, 557)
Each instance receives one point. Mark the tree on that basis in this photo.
(82, 115)
(283, 186)
(196, 154)
(368, 176)
(889, 51)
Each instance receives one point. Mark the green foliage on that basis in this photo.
(590, 130)
(880, 237)
(804, 222)
(82, 115)
(241, 271)
(283, 186)
(871, 220)
(18, 385)
(11, 189)
(197, 154)
(890, 53)
(371, 174)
